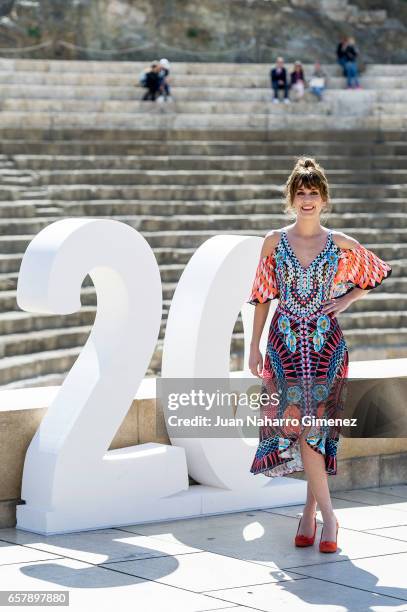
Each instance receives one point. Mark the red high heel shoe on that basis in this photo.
(329, 546)
(302, 540)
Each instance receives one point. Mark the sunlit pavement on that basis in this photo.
(239, 561)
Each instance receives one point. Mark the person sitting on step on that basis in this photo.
(298, 81)
(318, 81)
(165, 94)
(152, 81)
(278, 76)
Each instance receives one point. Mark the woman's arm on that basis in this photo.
(261, 312)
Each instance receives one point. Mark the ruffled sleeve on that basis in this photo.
(265, 287)
(359, 267)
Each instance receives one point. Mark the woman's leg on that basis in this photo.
(317, 492)
(342, 63)
(348, 69)
(356, 74)
(351, 72)
(317, 91)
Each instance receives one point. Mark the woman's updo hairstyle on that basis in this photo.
(306, 173)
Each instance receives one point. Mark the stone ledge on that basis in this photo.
(362, 462)
(367, 471)
(355, 473)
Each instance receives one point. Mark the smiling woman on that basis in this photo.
(315, 273)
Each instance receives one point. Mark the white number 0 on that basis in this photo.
(71, 481)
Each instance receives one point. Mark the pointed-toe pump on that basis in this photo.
(302, 540)
(329, 546)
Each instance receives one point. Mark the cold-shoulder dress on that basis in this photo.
(306, 361)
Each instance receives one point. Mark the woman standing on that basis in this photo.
(351, 68)
(316, 273)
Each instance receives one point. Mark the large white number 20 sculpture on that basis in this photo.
(71, 481)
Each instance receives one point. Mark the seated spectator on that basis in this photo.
(318, 81)
(351, 68)
(340, 53)
(152, 81)
(278, 76)
(298, 80)
(165, 94)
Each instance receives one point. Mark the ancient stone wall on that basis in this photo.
(202, 30)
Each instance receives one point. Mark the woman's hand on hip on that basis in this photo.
(336, 305)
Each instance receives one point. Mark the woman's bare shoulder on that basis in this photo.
(271, 240)
(344, 241)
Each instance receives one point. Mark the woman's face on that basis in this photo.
(308, 202)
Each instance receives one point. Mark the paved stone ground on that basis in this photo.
(241, 561)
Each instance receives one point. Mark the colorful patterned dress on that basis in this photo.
(306, 361)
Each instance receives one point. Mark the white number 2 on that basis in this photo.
(71, 481)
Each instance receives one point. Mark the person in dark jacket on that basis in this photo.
(351, 53)
(278, 76)
(340, 53)
(152, 81)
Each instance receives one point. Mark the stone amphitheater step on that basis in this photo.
(327, 137)
(176, 226)
(170, 148)
(18, 322)
(46, 163)
(37, 381)
(23, 210)
(20, 367)
(124, 178)
(203, 141)
(125, 67)
(160, 122)
(196, 222)
(8, 300)
(43, 340)
(261, 106)
(378, 119)
(182, 84)
(202, 191)
(241, 77)
(269, 206)
(168, 257)
(114, 97)
(193, 239)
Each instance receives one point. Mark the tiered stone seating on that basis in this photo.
(77, 141)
